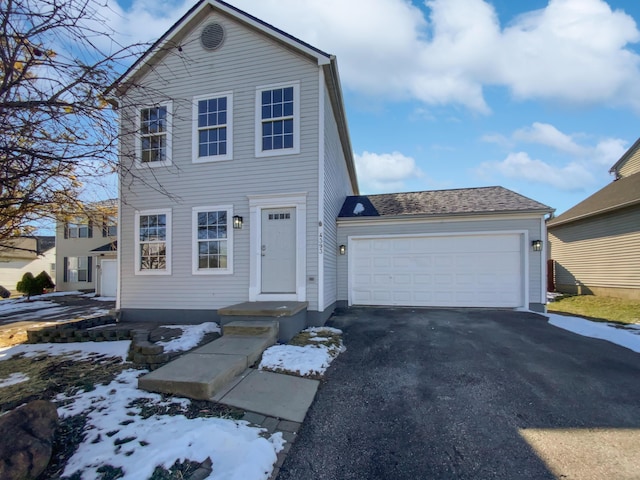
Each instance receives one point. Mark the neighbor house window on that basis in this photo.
(78, 230)
(212, 240)
(110, 226)
(154, 142)
(153, 242)
(213, 132)
(277, 125)
(77, 269)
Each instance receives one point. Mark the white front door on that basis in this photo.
(278, 250)
(108, 278)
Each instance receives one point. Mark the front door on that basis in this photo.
(278, 250)
(108, 278)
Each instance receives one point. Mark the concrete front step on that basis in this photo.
(251, 328)
(207, 370)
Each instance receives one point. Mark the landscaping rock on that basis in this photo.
(164, 333)
(26, 440)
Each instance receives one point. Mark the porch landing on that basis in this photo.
(291, 316)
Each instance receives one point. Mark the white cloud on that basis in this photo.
(446, 52)
(384, 172)
(546, 134)
(520, 165)
(580, 155)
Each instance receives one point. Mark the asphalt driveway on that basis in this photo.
(470, 394)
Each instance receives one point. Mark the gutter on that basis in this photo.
(620, 206)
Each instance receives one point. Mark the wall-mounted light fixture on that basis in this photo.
(536, 245)
(342, 249)
(237, 222)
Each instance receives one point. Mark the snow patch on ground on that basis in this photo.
(10, 306)
(191, 336)
(237, 451)
(624, 335)
(304, 361)
(78, 350)
(13, 379)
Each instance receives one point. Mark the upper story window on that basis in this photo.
(278, 120)
(154, 140)
(153, 242)
(78, 230)
(213, 133)
(212, 240)
(110, 226)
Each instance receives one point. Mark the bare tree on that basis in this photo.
(57, 130)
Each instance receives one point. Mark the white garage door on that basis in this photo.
(437, 271)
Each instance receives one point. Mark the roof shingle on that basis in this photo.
(620, 193)
(441, 202)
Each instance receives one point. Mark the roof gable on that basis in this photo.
(630, 159)
(620, 193)
(179, 30)
(462, 201)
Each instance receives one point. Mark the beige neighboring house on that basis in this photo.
(87, 250)
(596, 244)
(26, 254)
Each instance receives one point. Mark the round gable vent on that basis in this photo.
(212, 36)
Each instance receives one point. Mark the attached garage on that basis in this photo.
(481, 270)
(446, 248)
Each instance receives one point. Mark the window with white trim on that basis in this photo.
(277, 122)
(213, 130)
(212, 240)
(153, 242)
(77, 269)
(78, 230)
(154, 139)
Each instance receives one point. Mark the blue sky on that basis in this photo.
(541, 97)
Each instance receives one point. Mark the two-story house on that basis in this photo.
(86, 245)
(237, 163)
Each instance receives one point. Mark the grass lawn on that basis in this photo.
(598, 308)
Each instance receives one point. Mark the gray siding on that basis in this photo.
(631, 166)
(537, 268)
(601, 251)
(245, 61)
(336, 188)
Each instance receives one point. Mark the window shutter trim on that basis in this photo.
(65, 269)
(89, 262)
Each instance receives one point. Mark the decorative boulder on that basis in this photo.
(26, 440)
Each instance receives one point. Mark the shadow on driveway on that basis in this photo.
(470, 394)
(56, 308)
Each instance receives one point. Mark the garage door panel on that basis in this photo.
(461, 270)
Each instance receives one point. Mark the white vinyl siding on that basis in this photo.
(213, 127)
(153, 242)
(154, 135)
(212, 240)
(336, 188)
(531, 226)
(245, 61)
(278, 119)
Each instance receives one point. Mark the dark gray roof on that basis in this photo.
(109, 247)
(45, 243)
(620, 193)
(441, 202)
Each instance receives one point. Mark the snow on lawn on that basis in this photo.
(118, 436)
(190, 337)
(13, 379)
(78, 350)
(624, 335)
(306, 360)
(14, 305)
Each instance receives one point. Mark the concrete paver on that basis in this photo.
(273, 394)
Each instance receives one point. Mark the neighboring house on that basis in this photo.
(595, 245)
(87, 250)
(26, 254)
(238, 172)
